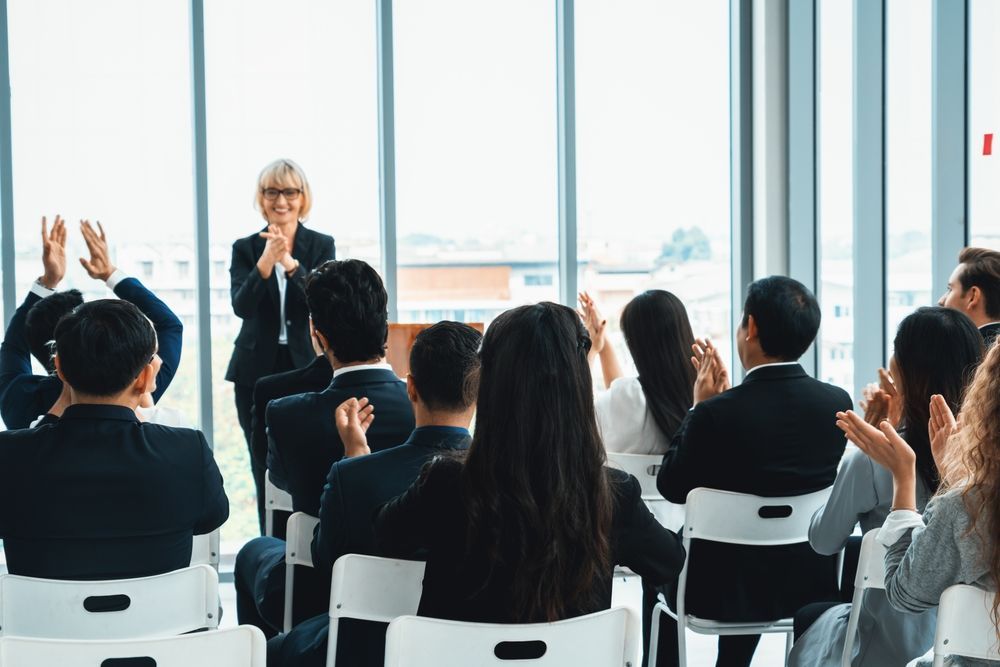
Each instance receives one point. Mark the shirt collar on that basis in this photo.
(776, 363)
(989, 324)
(381, 366)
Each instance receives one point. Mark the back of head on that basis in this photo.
(444, 366)
(981, 268)
(348, 305)
(787, 316)
(40, 323)
(937, 350)
(536, 493)
(659, 338)
(103, 345)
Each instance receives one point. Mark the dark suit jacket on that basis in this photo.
(101, 495)
(355, 489)
(990, 333)
(23, 396)
(431, 518)
(773, 435)
(255, 301)
(303, 440)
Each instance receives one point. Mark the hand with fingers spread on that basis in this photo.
(53, 253)
(712, 378)
(940, 427)
(99, 265)
(353, 417)
(592, 320)
(885, 446)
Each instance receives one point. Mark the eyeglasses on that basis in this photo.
(271, 194)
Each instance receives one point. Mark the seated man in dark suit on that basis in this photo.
(99, 494)
(442, 386)
(24, 396)
(347, 304)
(773, 435)
(974, 289)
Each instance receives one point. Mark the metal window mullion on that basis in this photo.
(949, 142)
(202, 249)
(7, 259)
(387, 153)
(741, 161)
(566, 131)
(869, 190)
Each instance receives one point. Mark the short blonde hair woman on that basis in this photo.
(267, 285)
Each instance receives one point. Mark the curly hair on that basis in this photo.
(972, 462)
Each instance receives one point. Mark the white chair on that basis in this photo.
(369, 588)
(871, 574)
(274, 499)
(234, 647)
(645, 468)
(205, 550)
(608, 638)
(735, 518)
(298, 551)
(965, 625)
(158, 606)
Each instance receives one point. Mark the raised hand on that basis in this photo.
(712, 378)
(940, 427)
(894, 408)
(882, 444)
(352, 418)
(592, 320)
(99, 266)
(53, 253)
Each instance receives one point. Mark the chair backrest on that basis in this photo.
(604, 639)
(244, 646)
(274, 499)
(369, 588)
(645, 469)
(740, 518)
(965, 625)
(159, 606)
(870, 574)
(298, 539)
(205, 550)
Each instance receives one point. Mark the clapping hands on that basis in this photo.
(592, 320)
(881, 401)
(940, 427)
(98, 266)
(712, 378)
(352, 418)
(277, 250)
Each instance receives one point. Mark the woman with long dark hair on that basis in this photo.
(639, 415)
(936, 351)
(529, 527)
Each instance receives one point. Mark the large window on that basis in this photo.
(653, 158)
(475, 87)
(299, 84)
(984, 119)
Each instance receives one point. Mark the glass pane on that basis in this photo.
(652, 168)
(984, 119)
(101, 109)
(835, 191)
(309, 96)
(476, 157)
(908, 160)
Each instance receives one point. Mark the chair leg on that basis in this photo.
(788, 646)
(654, 636)
(682, 654)
(289, 590)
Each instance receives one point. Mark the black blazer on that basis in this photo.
(990, 333)
(430, 518)
(773, 435)
(255, 301)
(101, 495)
(303, 440)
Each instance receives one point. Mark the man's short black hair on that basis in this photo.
(444, 366)
(40, 323)
(787, 316)
(982, 270)
(348, 305)
(103, 345)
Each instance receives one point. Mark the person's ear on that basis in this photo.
(321, 341)
(146, 380)
(973, 297)
(59, 373)
(751, 328)
(411, 389)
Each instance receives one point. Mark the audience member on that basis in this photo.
(24, 396)
(974, 289)
(770, 436)
(347, 302)
(99, 494)
(442, 385)
(530, 525)
(955, 540)
(936, 352)
(639, 415)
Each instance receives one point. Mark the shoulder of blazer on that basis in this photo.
(285, 408)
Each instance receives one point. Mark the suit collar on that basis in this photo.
(91, 411)
(356, 378)
(775, 372)
(440, 437)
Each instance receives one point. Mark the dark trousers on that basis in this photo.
(244, 414)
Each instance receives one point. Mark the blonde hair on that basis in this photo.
(284, 173)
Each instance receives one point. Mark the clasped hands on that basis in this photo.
(99, 265)
(277, 250)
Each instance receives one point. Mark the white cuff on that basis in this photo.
(115, 278)
(896, 525)
(41, 290)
